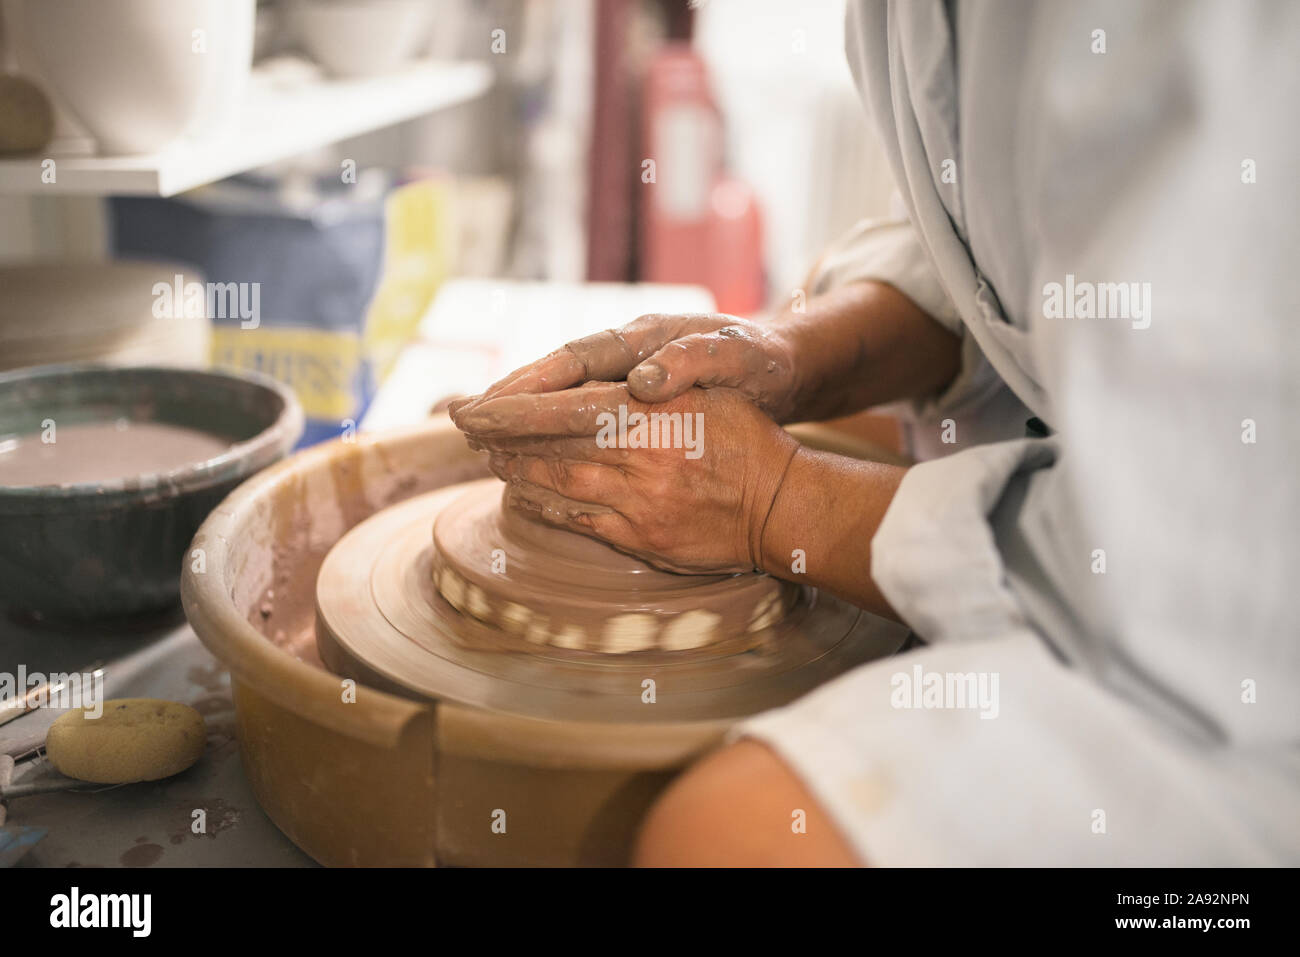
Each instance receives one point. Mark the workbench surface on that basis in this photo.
(149, 824)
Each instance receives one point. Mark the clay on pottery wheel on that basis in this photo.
(555, 587)
(568, 629)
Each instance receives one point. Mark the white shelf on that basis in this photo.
(278, 121)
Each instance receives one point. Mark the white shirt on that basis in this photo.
(1131, 579)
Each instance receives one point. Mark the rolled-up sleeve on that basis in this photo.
(886, 250)
(981, 406)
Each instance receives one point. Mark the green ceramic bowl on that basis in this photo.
(112, 549)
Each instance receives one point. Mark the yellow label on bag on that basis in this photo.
(416, 252)
(321, 366)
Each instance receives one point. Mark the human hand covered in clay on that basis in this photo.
(660, 356)
(851, 348)
(754, 497)
(697, 512)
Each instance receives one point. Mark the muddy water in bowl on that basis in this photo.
(105, 473)
(103, 452)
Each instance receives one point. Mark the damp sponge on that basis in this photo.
(134, 739)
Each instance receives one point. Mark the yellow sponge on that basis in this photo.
(134, 739)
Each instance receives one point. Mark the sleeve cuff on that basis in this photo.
(886, 250)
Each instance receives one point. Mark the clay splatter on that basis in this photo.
(221, 816)
(142, 855)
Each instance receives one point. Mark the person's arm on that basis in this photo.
(862, 345)
(822, 521)
(853, 347)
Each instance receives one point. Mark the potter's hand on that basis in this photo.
(660, 356)
(699, 508)
(850, 349)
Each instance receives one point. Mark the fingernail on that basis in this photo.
(647, 375)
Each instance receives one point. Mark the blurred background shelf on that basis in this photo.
(698, 157)
(280, 120)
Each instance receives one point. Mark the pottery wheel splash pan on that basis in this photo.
(451, 696)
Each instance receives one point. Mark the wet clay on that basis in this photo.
(382, 621)
(554, 587)
(104, 452)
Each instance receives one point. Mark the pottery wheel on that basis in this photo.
(449, 596)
